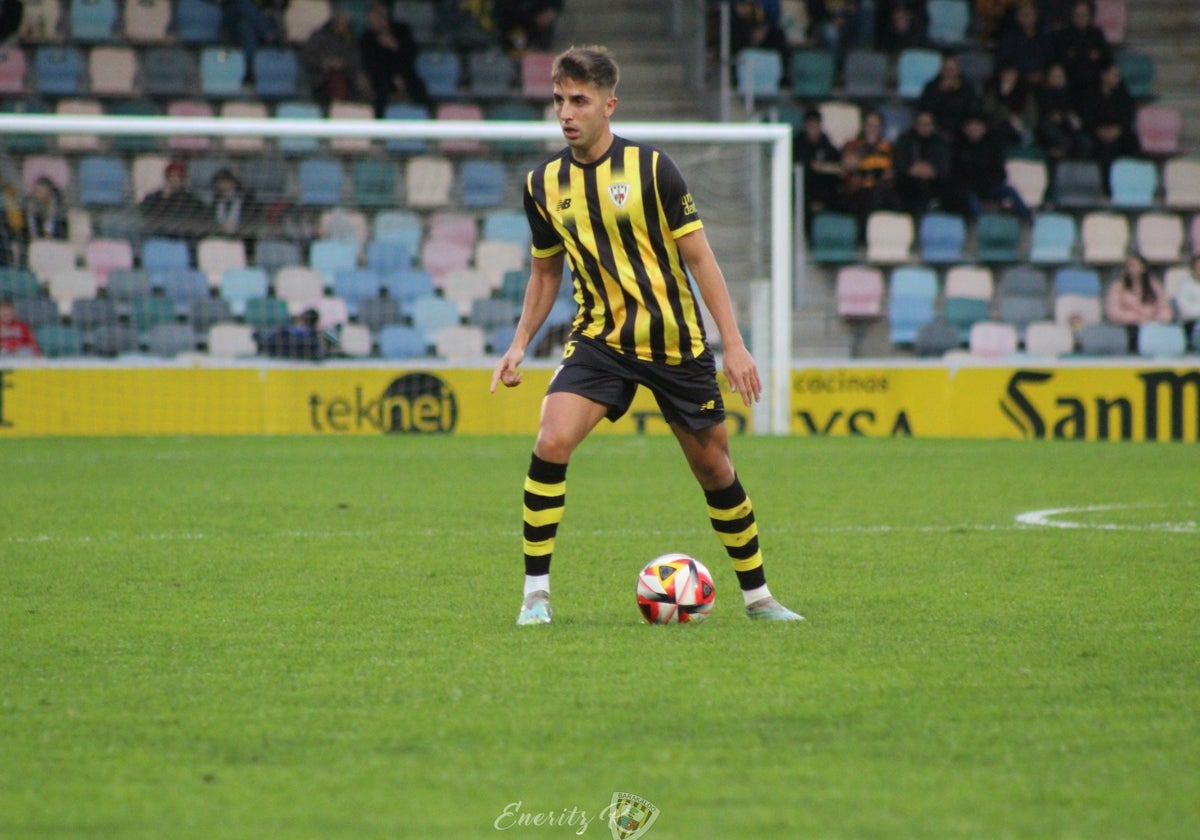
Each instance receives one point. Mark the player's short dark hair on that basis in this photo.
(590, 65)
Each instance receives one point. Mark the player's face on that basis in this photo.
(583, 112)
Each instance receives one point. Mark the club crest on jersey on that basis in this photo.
(619, 193)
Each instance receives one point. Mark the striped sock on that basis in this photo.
(545, 489)
(732, 518)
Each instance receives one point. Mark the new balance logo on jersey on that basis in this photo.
(563, 204)
(618, 192)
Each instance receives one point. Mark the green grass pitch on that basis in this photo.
(314, 638)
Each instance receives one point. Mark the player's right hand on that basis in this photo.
(506, 369)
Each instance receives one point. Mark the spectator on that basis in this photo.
(1136, 297)
(234, 210)
(867, 171)
(949, 97)
(901, 24)
(1009, 106)
(302, 339)
(1081, 48)
(16, 337)
(1060, 130)
(1026, 44)
(978, 178)
(812, 149)
(173, 210)
(251, 23)
(43, 212)
(528, 24)
(1108, 113)
(991, 16)
(333, 62)
(1186, 301)
(389, 55)
(841, 24)
(922, 165)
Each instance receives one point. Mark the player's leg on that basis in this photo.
(731, 514)
(566, 420)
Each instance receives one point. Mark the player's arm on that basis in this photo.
(545, 277)
(739, 365)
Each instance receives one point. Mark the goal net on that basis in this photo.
(323, 206)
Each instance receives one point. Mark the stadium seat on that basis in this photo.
(759, 74)
(440, 68)
(1158, 340)
(1077, 184)
(354, 340)
(507, 225)
(37, 311)
(1048, 339)
(1101, 339)
(148, 311)
(535, 75)
(403, 226)
(430, 313)
(1022, 297)
(461, 111)
(834, 237)
(1077, 280)
(1023, 281)
(320, 182)
(42, 21)
(234, 109)
(1159, 129)
(977, 65)
(198, 21)
(88, 314)
(102, 255)
(463, 285)
(181, 286)
(865, 74)
(353, 284)
(1053, 238)
(937, 338)
(239, 285)
(841, 121)
(79, 107)
(216, 254)
(21, 143)
(406, 111)
(858, 290)
(897, 118)
(353, 112)
(384, 256)
(962, 313)
(428, 181)
(942, 237)
(453, 226)
(947, 22)
(13, 67)
(1137, 72)
(147, 21)
(491, 74)
(298, 285)
(992, 339)
(1104, 237)
(912, 293)
(408, 285)
(890, 237)
(1181, 183)
(103, 181)
(92, 20)
(59, 71)
(496, 257)
(812, 72)
(375, 313)
(231, 341)
(1076, 311)
(398, 341)
(459, 342)
(1133, 183)
(332, 312)
(439, 257)
(1030, 179)
(126, 285)
(57, 341)
(302, 18)
(55, 167)
(17, 283)
(221, 71)
(204, 312)
(915, 66)
(164, 252)
(170, 340)
(1158, 237)
(329, 256)
(421, 18)
(266, 313)
(1111, 17)
(113, 340)
(276, 73)
(998, 237)
(169, 71)
(298, 110)
(482, 183)
(491, 312)
(189, 109)
(969, 281)
(113, 71)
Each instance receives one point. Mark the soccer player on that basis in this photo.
(622, 216)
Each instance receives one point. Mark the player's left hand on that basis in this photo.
(742, 374)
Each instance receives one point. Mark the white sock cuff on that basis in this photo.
(537, 583)
(749, 596)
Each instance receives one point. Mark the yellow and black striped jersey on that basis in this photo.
(618, 219)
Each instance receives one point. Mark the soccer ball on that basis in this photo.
(674, 589)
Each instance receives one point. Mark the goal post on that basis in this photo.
(761, 194)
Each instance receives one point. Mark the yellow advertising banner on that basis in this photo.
(1075, 402)
(321, 400)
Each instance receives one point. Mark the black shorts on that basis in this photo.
(686, 393)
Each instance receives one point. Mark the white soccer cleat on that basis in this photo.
(768, 609)
(535, 609)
